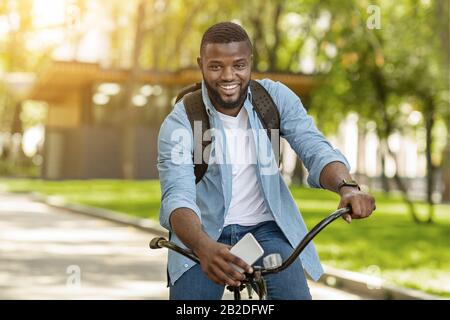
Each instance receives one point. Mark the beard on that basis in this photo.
(217, 99)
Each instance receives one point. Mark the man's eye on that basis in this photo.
(240, 66)
(214, 67)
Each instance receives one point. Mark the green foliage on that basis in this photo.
(26, 169)
(403, 62)
(407, 49)
(33, 113)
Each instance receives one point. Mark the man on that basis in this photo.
(236, 197)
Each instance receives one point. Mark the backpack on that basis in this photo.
(262, 102)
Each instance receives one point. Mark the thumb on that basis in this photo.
(347, 217)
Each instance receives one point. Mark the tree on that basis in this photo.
(374, 71)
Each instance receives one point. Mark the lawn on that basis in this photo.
(388, 244)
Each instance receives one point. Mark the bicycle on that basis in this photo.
(272, 263)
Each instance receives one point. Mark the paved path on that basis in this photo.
(48, 253)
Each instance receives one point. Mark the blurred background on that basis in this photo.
(85, 86)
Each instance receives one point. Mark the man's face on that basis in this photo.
(226, 69)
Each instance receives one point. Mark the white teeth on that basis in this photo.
(229, 87)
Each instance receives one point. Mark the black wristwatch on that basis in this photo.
(348, 183)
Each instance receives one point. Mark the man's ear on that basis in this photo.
(199, 62)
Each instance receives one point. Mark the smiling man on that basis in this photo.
(226, 69)
(211, 212)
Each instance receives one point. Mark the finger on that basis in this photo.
(343, 203)
(218, 277)
(231, 258)
(225, 279)
(215, 279)
(347, 217)
(230, 270)
(212, 276)
(233, 273)
(356, 210)
(362, 209)
(366, 211)
(370, 205)
(223, 261)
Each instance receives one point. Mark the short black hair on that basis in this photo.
(225, 32)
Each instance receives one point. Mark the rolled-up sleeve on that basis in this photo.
(175, 166)
(298, 128)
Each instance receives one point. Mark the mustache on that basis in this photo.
(215, 96)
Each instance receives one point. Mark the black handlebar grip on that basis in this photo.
(154, 243)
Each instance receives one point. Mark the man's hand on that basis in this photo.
(362, 203)
(216, 258)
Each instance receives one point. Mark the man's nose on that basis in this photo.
(228, 74)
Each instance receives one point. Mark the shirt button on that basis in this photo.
(220, 229)
(186, 265)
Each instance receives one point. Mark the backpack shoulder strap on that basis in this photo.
(188, 89)
(267, 112)
(196, 112)
(265, 106)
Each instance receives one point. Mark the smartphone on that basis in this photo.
(248, 249)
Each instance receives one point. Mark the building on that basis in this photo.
(90, 133)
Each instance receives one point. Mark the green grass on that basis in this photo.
(389, 244)
(138, 198)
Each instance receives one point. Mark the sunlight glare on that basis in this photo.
(48, 12)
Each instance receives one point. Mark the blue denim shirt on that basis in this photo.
(210, 198)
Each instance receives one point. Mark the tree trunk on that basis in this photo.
(16, 125)
(381, 90)
(429, 123)
(402, 187)
(297, 177)
(128, 130)
(257, 39)
(384, 179)
(181, 37)
(442, 11)
(446, 172)
(276, 33)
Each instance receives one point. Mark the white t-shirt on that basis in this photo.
(247, 205)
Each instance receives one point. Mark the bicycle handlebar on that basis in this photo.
(160, 242)
(307, 239)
